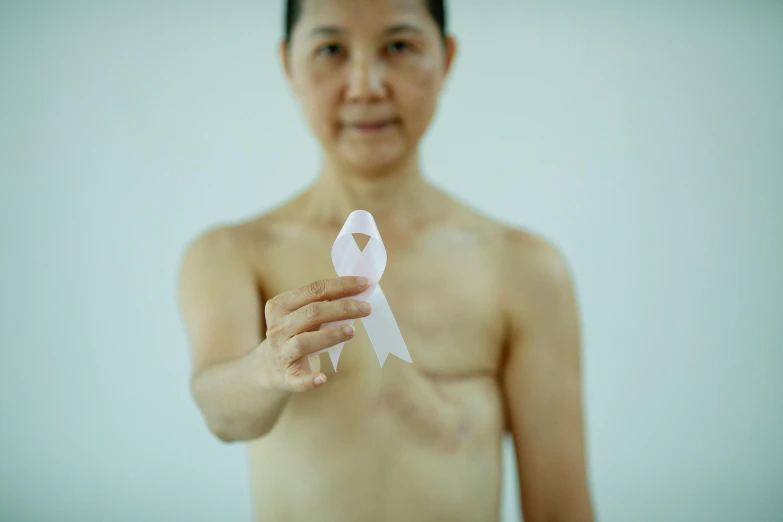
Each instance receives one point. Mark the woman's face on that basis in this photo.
(367, 74)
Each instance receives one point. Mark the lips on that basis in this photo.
(371, 125)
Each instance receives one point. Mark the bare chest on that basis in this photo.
(443, 291)
(443, 412)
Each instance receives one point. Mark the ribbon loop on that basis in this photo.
(349, 260)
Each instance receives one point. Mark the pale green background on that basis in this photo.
(646, 140)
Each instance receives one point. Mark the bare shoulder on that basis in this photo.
(533, 270)
(530, 255)
(519, 251)
(232, 244)
(221, 247)
(220, 292)
(219, 241)
(215, 261)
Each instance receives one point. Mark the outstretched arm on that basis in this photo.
(222, 311)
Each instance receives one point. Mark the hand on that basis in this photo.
(293, 320)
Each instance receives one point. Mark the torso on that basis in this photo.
(417, 441)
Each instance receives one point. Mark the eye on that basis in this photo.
(329, 50)
(399, 47)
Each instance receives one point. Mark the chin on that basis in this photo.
(373, 160)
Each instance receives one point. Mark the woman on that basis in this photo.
(487, 312)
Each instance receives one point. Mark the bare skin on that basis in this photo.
(487, 311)
(407, 441)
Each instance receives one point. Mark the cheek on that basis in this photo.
(418, 92)
(320, 96)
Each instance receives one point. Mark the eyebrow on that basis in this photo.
(402, 28)
(331, 30)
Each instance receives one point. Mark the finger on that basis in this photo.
(322, 290)
(300, 378)
(310, 317)
(307, 343)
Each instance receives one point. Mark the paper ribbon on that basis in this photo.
(349, 260)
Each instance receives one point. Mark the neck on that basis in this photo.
(396, 196)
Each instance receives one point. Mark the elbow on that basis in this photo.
(220, 429)
(227, 426)
(223, 433)
(228, 433)
(217, 421)
(229, 430)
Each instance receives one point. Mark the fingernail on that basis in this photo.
(365, 307)
(362, 281)
(319, 380)
(349, 330)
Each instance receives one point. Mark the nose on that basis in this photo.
(366, 80)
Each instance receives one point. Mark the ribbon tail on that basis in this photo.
(334, 353)
(383, 331)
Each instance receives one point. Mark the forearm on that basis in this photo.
(235, 398)
(548, 496)
(558, 509)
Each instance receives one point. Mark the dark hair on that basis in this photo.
(293, 9)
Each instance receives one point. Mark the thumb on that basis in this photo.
(299, 377)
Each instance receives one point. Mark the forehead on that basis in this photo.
(364, 13)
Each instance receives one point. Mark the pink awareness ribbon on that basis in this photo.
(349, 260)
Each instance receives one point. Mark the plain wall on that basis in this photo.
(645, 140)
